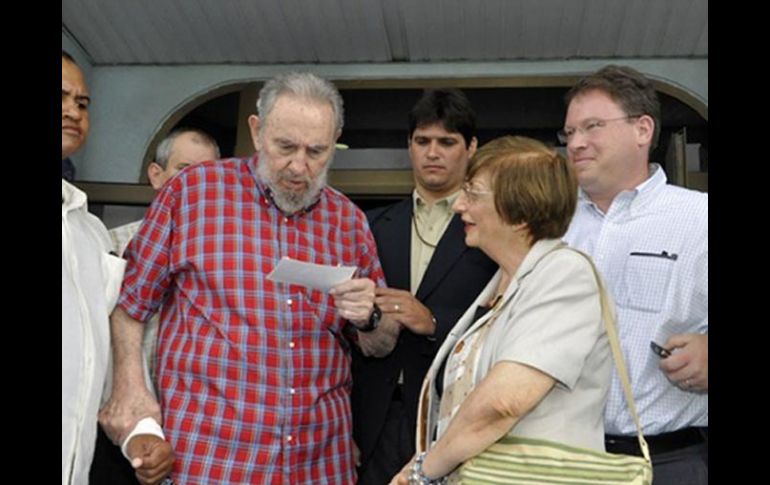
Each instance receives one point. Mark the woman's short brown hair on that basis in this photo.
(531, 183)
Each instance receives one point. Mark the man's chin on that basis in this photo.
(291, 200)
(68, 149)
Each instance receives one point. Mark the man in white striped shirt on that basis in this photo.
(650, 240)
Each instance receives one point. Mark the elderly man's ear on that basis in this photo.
(157, 175)
(254, 125)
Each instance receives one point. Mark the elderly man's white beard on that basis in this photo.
(288, 201)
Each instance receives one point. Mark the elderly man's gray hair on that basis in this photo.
(303, 84)
(163, 152)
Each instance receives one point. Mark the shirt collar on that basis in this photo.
(640, 195)
(446, 203)
(646, 190)
(532, 258)
(72, 197)
(535, 254)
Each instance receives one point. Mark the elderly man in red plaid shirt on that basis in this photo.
(254, 375)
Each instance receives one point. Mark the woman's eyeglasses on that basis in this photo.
(473, 194)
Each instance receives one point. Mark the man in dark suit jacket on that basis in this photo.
(432, 278)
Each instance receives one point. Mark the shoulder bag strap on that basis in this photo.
(617, 355)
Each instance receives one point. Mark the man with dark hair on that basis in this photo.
(254, 374)
(90, 283)
(432, 278)
(650, 240)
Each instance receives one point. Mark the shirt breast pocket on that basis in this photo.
(646, 278)
(112, 275)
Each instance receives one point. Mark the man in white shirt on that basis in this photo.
(650, 240)
(91, 279)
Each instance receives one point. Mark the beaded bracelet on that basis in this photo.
(418, 477)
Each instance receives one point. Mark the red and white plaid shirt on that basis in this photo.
(254, 376)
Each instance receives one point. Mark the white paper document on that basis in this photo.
(317, 276)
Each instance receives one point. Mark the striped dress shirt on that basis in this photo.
(652, 249)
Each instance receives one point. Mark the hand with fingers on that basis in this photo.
(354, 300)
(124, 409)
(688, 365)
(151, 457)
(402, 477)
(406, 309)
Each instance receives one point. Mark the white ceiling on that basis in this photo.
(161, 32)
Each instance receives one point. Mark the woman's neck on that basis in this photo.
(509, 265)
(508, 252)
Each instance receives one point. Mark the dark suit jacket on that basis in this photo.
(455, 276)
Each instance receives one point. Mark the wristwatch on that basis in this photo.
(374, 320)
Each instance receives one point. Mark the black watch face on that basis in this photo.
(374, 320)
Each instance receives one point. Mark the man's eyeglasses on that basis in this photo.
(589, 128)
(473, 194)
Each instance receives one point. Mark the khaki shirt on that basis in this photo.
(429, 221)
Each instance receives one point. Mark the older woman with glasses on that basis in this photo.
(530, 357)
